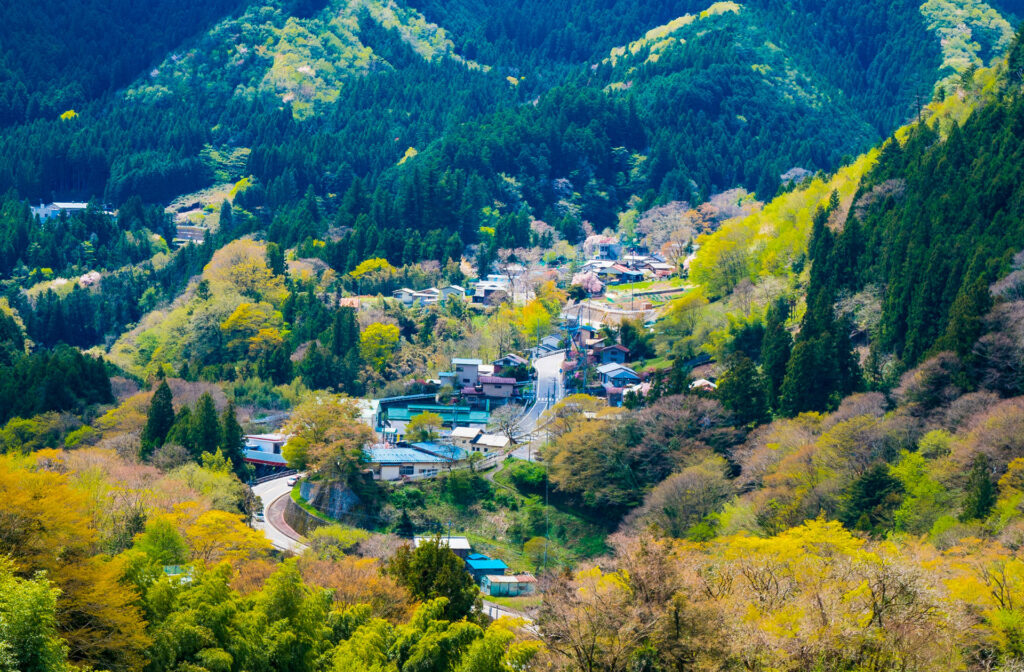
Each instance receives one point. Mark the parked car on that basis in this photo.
(292, 481)
(259, 517)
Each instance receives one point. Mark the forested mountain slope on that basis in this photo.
(326, 93)
(372, 127)
(56, 56)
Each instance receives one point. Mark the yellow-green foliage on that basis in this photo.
(959, 25)
(241, 311)
(305, 61)
(240, 186)
(374, 265)
(720, 8)
(770, 240)
(409, 153)
(662, 37)
(69, 114)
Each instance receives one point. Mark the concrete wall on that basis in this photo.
(301, 520)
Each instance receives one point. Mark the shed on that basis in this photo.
(499, 585)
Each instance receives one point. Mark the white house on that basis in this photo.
(405, 295)
(51, 210)
(464, 436)
(490, 443)
(460, 546)
(703, 384)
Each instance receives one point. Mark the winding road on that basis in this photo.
(274, 495)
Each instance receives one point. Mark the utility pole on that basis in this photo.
(547, 523)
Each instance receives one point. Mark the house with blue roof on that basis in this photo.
(479, 565)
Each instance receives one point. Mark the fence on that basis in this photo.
(271, 477)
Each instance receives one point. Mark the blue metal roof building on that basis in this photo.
(480, 565)
(401, 456)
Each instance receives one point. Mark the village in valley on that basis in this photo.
(474, 368)
(477, 415)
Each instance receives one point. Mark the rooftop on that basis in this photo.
(446, 451)
(267, 437)
(517, 578)
(496, 380)
(379, 455)
(454, 543)
(613, 367)
(485, 564)
(466, 361)
(465, 433)
(449, 414)
(493, 441)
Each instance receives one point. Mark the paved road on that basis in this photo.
(277, 531)
(549, 392)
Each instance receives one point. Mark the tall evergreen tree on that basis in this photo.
(206, 426)
(159, 419)
(275, 259)
(872, 499)
(965, 317)
(775, 350)
(742, 391)
(227, 217)
(981, 491)
(232, 439)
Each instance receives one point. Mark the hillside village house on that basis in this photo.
(51, 210)
(429, 296)
(499, 585)
(497, 387)
(476, 440)
(467, 372)
(615, 378)
(264, 451)
(417, 460)
(487, 291)
(548, 345)
(479, 565)
(490, 443)
(509, 361)
(618, 375)
(611, 354)
(460, 546)
(464, 436)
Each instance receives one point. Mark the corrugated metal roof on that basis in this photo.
(400, 456)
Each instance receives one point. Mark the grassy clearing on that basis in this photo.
(670, 283)
(523, 603)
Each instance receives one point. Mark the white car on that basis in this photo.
(292, 481)
(259, 517)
